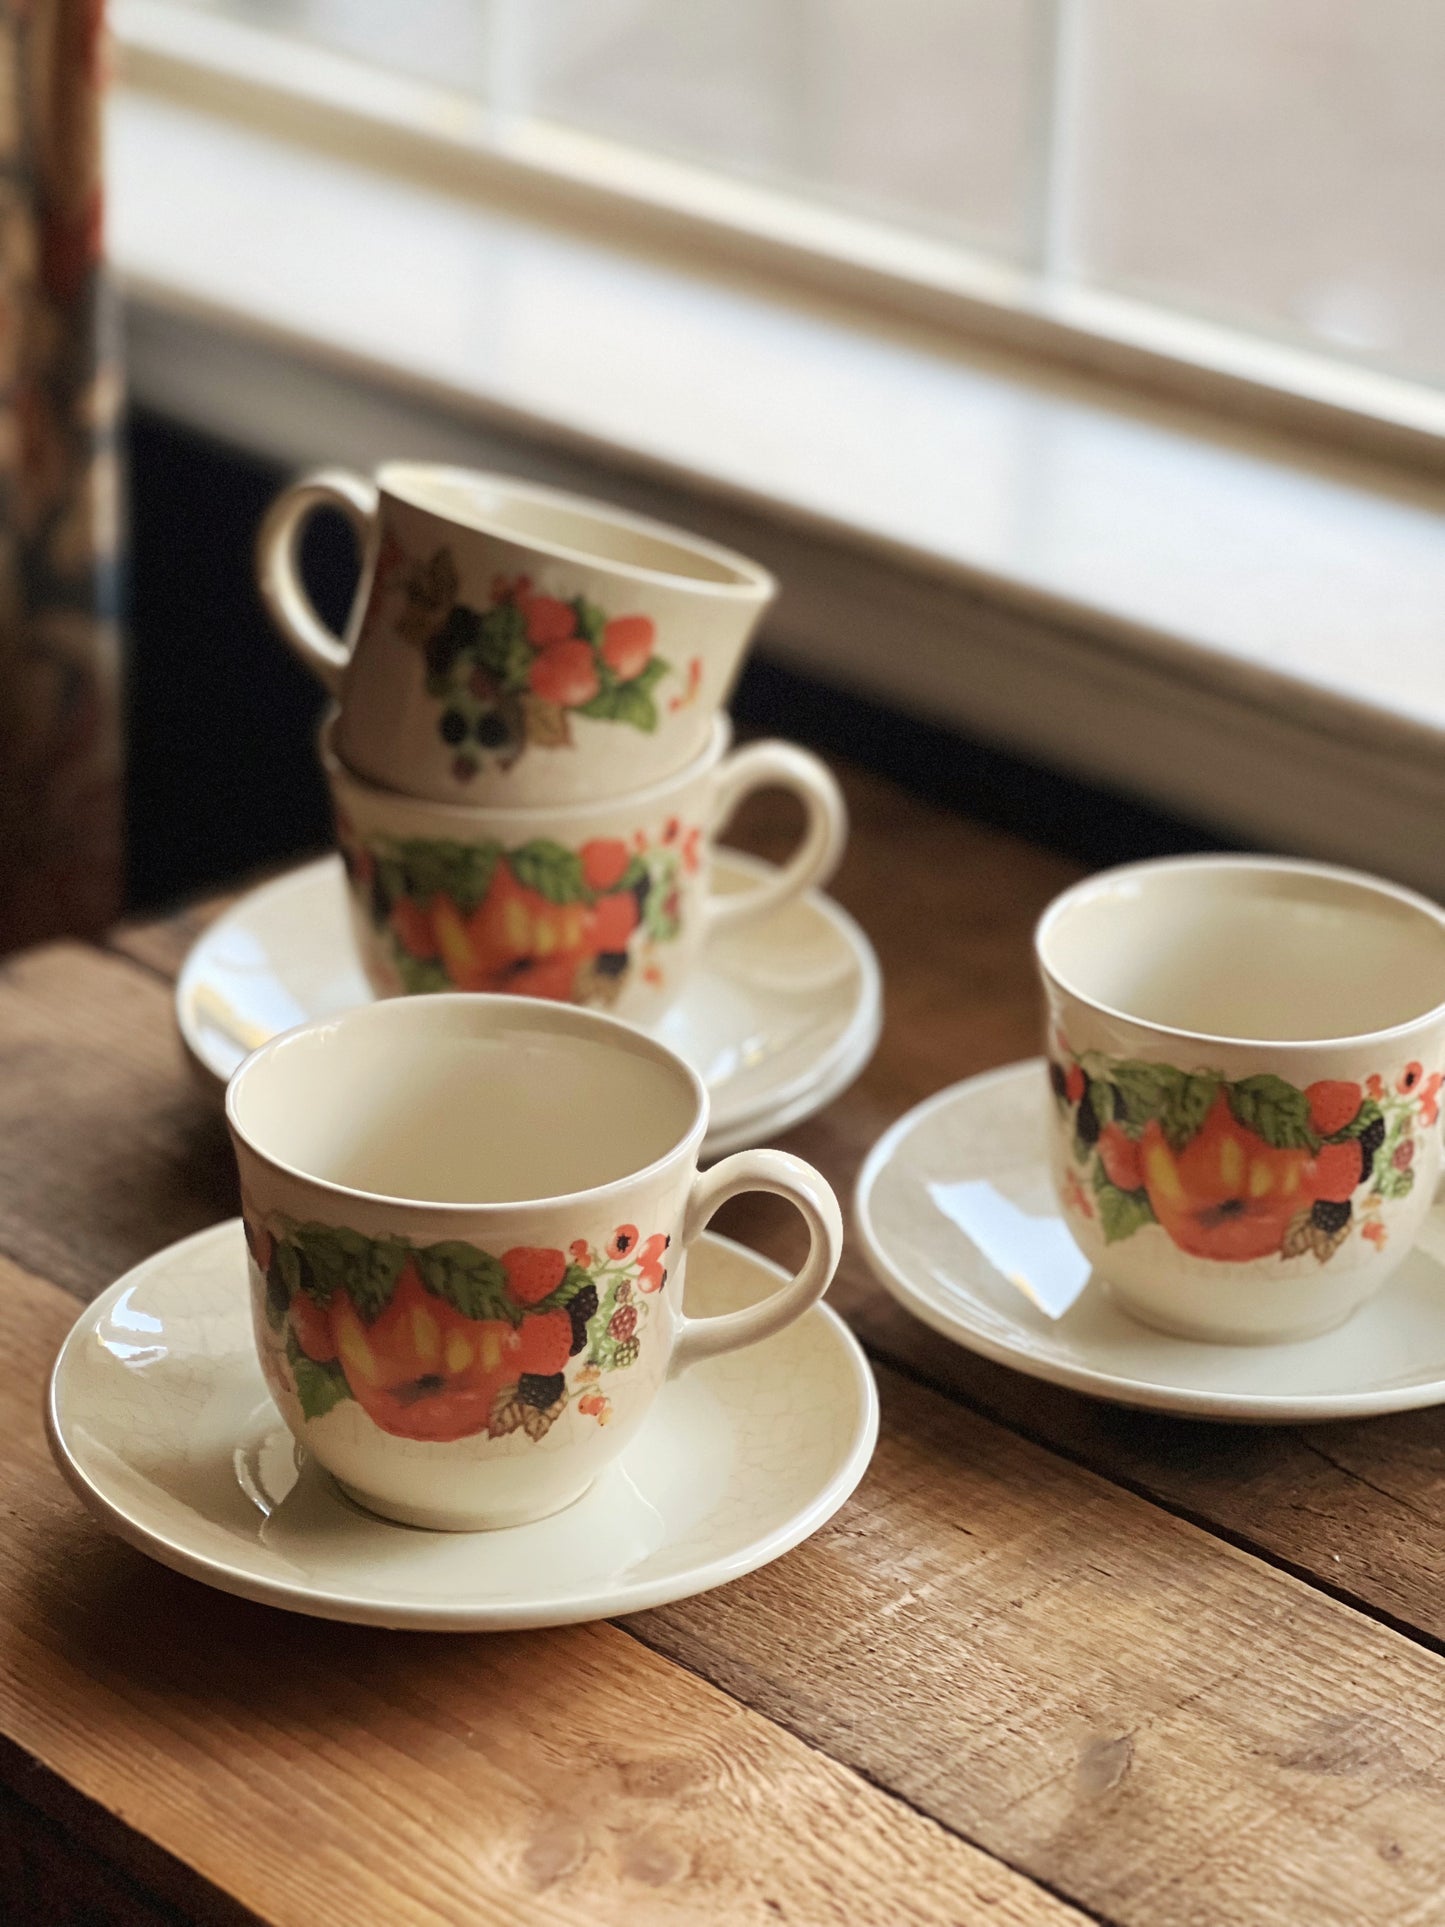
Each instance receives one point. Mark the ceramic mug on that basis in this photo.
(604, 904)
(468, 1221)
(1246, 1056)
(509, 644)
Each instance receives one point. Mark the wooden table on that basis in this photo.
(1053, 1662)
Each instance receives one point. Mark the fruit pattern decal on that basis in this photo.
(539, 921)
(444, 1341)
(516, 672)
(1244, 1169)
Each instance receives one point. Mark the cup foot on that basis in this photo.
(446, 1519)
(1212, 1335)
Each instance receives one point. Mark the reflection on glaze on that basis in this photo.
(1035, 1254)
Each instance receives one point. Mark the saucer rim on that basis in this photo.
(1290, 1408)
(609, 1601)
(728, 1130)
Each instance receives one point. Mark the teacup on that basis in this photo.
(605, 903)
(468, 1220)
(1246, 1056)
(509, 644)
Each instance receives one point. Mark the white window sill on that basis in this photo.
(1223, 622)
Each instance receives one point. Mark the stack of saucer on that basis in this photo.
(530, 760)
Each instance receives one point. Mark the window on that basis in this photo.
(1274, 167)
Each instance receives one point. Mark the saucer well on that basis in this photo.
(159, 1418)
(1389, 1357)
(779, 1017)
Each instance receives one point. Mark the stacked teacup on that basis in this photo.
(529, 756)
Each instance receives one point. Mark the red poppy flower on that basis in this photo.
(622, 1241)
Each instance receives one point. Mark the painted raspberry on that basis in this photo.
(623, 1322)
(627, 1353)
(1120, 1157)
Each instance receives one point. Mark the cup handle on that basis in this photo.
(761, 766)
(786, 1177)
(282, 590)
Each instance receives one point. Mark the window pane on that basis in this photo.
(445, 41)
(923, 110)
(1280, 163)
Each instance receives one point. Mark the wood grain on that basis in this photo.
(316, 1772)
(1135, 1713)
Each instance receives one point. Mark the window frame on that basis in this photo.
(337, 103)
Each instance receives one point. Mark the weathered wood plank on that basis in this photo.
(108, 1150)
(316, 1772)
(1152, 1723)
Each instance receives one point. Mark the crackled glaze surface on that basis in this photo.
(993, 1129)
(778, 1017)
(161, 1420)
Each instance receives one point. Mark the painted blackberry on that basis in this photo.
(453, 726)
(1086, 1122)
(533, 1389)
(1371, 1138)
(580, 1310)
(1057, 1082)
(491, 731)
(1329, 1216)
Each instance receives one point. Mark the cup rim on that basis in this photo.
(1361, 880)
(752, 583)
(556, 1016)
(463, 817)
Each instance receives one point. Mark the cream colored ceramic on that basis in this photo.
(986, 1138)
(1247, 1056)
(159, 1417)
(469, 1220)
(510, 645)
(778, 1018)
(605, 904)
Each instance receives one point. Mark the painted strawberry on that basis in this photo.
(533, 1273)
(413, 929)
(565, 673)
(1074, 1084)
(1335, 1171)
(544, 1343)
(312, 1328)
(1119, 1155)
(548, 620)
(604, 862)
(627, 644)
(1333, 1104)
(614, 921)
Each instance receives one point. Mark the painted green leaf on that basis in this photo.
(335, 1258)
(318, 1387)
(591, 620)
(1187, 1106)
(1274, 1110)
(1145, 1090)
(470, 1281)
(1121, 1213)
(278, 1293)
(500, 645)
(420, 975)
(552, 871)
(423, 868)
(629, 702)
(1101, 1096)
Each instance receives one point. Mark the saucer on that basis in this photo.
(779, 1017)
(1390, 1357)
(159, 1418)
